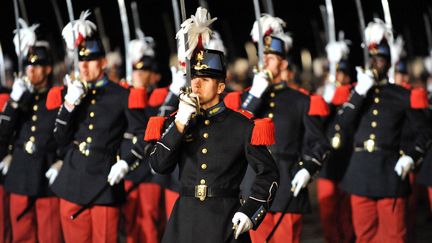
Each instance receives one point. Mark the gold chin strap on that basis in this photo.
(196, 103)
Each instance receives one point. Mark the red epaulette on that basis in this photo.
(318, 107)
(406, 85)
(124, 84)
(232, 100)
(158, 96)
(137, 98)
(246, 113)
(54, 98)
(304, 91)
(154, 128)
(341, 95)
(419, 98)
(263, 132)
(3, 99)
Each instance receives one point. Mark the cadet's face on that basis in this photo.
(208, 90)
(274, 64)
(380, 64)
(141, 78)
(92, 71)
(342, 78)
(37, 73)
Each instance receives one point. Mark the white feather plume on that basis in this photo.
(141, 47)
(114, 58)
(27, 37)
(337, 50)
(397, 49)
(269, 25)
(80, 28)
(197, 25)
(216, 43)
(376, 31)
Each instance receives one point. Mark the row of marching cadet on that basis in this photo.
(229, 159)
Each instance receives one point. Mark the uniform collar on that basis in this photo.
(382, 82)
(98, 84)
(279, 86)
(215, 110)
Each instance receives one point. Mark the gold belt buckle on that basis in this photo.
(336, 141)
(369, 145)
(30, 147)
(84, 148)
(201, 192)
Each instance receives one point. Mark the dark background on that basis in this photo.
(235, 19)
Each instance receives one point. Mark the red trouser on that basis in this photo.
(5, 230)
(40, 224)
(170, 199)
(335, 212)
(374, 220)
(289, 229)
(94, 225)
(143, 214)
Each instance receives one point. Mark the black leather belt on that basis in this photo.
(203, 191)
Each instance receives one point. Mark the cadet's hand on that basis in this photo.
(53, 171)
(329, 91)
(241, 224)
(365, 80)
(260, 83)
(18, 88)
(301, 180)
(404, 165)
(178, 81)
(118, 172)
(187, 106)
(5, 164)
(75, 90)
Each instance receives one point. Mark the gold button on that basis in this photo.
(204, 150)
(207, 122)
(270, 115)
(89, 139)
(92, 114)
(377, 100)
(33, 128)
(94, 91)
(272, 94)
(372, 136)
(34, 118)
(374, 124)
(203, 166)
(35, 107)
(37, 97)
(337, 127)
(91, 127)
(377, 90)
(301, 163)
(93, 101)
(202, 181)
(205, 135)
(32, 138)
(272, 104)
(375, 112)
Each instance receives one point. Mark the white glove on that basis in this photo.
(18, 88)
(178, 81)
(242, 224)
(186, 109)
(365, 80)
(404, 165)
(53, 171)
(118, 172)
(301, 180)
(75, 91)
(5, 164)
(260, 83)
(329, 91)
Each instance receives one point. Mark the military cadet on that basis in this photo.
(300, 147)
(93, 119)
(376, 174)
(334, 204)
(30, 114)
(142, 209)
(211, 170)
